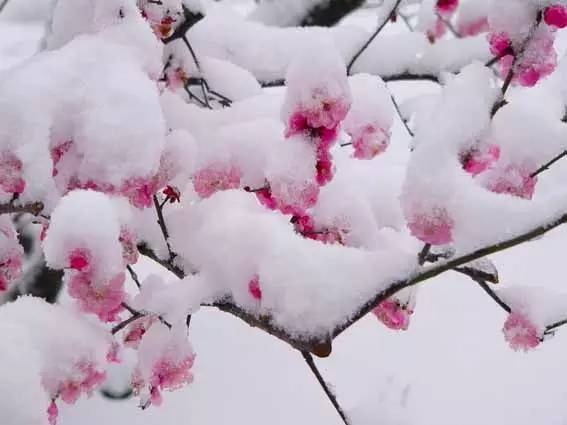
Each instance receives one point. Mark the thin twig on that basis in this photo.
(203, 83)
(449, 25)
(406, 21)
(163, 227)
(333, 399)
(126, 322)
(34, 208)
(548, 164)
(134, 276)
(402, 118)
(3, 5)
(493, 295)
(373, 36)
(438, 269)
(189, 19)
(422, 257)
(404, 76)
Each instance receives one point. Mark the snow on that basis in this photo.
(453, 359)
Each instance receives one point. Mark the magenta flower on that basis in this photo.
(556, 16)
(392, 314)
(520, 333)
(433, 227)
(215, 177)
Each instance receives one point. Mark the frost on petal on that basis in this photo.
(556, 15)
(393, 315)
(84, 235)
(433, 226)
(165, 359)
(72, 350)
(215, 177)
(11, 253)
(479, 159)
(520, 333)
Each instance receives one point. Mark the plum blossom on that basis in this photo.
(433, 226)
(165, 359)
(215, 177)
(11, 180)
(520, 333)
(102, 297)
(446, 7)
(135, 331)
(11, 253)
(294, 197)
(172, 194)
(254, 288)
(370, 141)
(52, 413)
(556, 16)
(129, 248)
(537, 61)
(513, 179)
(393, 314)
(479, 159)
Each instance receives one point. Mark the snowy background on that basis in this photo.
(451, 367)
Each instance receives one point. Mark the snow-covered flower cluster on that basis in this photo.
(142, 129)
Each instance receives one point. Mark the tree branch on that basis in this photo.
(322, 347)
(34, 208)
(436, 270)
(331, 396)
(373, 36)
(547, 165)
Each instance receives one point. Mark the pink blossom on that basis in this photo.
(136, 330)
(474, 27)
(322, 136)
(480, 159)
(113, 355)
(12, 254)
(52, 413)
(520, 332)
(254, 288)
(171, 375)
(11, 180)
(80, 259)
(393, 315)
(129, 248)
(103, 298)
(167, 374)
(216, 177)
(10, 267)
(140, 191)
(556, 16)
(538, 60)
(266, 198)
(295, 198)
(325, 168)
(172, 194)
(513, 180)
(370, 141)
(323, 111)
(434, 226)
(304, 225)
(85, 379)
(447, 7)
(57, 152)
(500, 43)
(176, 78)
